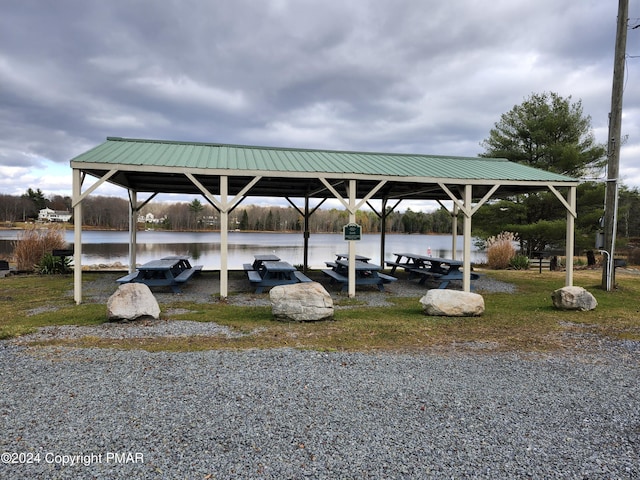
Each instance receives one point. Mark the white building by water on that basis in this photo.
(49, 215)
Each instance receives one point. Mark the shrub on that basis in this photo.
(519, 262)
(33, 243)
(500, 250)
(50, 265)
(634, 256)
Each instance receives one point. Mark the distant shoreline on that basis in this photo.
(22, 225)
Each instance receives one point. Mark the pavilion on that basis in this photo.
(227, 174)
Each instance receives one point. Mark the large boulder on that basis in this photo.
(301, 302)
(573, 298)
(132, 301)
(452, 303)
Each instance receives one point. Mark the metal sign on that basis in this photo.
(352, 231)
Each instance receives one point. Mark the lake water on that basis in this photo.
(106, 247)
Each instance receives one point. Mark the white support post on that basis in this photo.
(466, 261)
(454, 231)
(571, 218)
(224, 238)
(352, 243)
(133, 229)
(77, 236)
(467, 208)
(383, 230)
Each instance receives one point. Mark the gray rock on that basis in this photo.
(301, 302)
(452, 303)
(132, 301)
(573, 298)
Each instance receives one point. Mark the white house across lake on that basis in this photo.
(49, 215)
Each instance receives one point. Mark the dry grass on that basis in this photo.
(33, 243)
(500, 250)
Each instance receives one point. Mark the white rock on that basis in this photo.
(452, 303)
(573, 298)
(131, 301)
(301, 302)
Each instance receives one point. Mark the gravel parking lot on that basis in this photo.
(305, 414)
(70, 413)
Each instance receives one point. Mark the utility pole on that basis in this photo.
(613, 150)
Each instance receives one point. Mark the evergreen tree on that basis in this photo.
(268, 224)
(196, 208)
(547, 132)
(35, 202)
(244, 221)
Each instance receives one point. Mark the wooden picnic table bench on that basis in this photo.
(167, 272)
(274, 273)
(443, 278)
(411, 260)
(4, 268)
(439, 269)
(184, 263)
(345, 256)
(258, 261)
(336, 277)
(63, 252)
(366, 274)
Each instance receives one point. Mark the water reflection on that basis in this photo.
(204, 247)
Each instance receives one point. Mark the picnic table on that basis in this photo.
(442, 269)
(258, 260)
(345, 256)
(4, 268)
(184, 263)
(366, 274)
(172, 272)
(275, 272)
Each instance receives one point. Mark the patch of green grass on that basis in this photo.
(525, 320)
(31, 301)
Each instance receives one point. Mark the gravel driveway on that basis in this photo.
(303, 414)
(286, 414)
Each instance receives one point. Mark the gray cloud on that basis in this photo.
(406, 76)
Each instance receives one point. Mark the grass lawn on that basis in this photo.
(522, 321)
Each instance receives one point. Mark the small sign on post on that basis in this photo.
(352, 231)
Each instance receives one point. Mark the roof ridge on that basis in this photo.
(298, 149)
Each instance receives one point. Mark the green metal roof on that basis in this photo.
(156, 165)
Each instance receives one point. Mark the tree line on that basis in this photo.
(113, 213)
(284, 219)
(538, 219)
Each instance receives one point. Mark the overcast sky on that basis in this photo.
(412, 76)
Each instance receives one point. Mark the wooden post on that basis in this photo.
(613, 163)
(571, 220)
(224, 238)
(454, 231)
(352, 244)
(306, 234)
(77, 236)
(133, 229)
(466, 259)
(383, 231)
